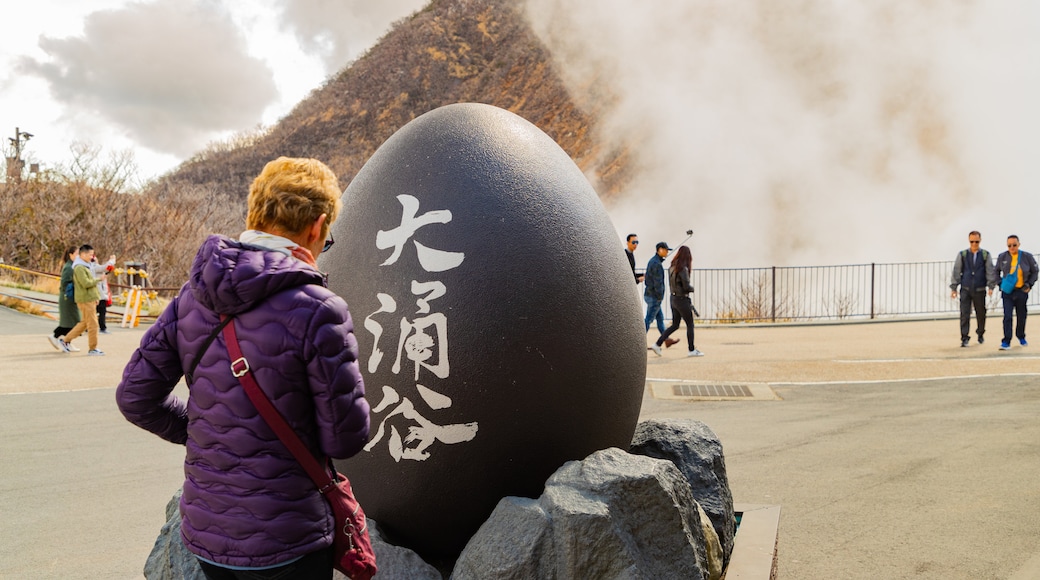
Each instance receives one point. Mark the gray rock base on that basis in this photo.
(695, 449)
(613, 515)
(170, 560)
(662, 511)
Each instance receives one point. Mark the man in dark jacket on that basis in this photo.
(653, 293)
(1019, 268)
(631, 243)
(973, 271)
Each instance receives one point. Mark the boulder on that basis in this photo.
(171, 560)
(695, 449)
(612, 515)
(395, 562)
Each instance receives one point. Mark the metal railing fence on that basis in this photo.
(842, 292)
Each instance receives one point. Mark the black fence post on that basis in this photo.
(774, 293)
(872, 264)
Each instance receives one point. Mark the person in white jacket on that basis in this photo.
(101, 274)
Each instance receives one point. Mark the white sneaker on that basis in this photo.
(695, 352)
(56, 343)
(656, 348)
(69, 347)
(95, 352)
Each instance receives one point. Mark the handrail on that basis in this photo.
(836, 292)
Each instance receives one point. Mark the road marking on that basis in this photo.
(878, 381)
(1029, 571)
(901, 360)
(61, 391)
(848, 382)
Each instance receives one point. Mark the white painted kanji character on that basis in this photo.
(431, 260)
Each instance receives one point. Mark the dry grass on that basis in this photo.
(21, 305)
(43, 283)
(754, 302)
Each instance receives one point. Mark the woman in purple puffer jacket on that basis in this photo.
(247, 505)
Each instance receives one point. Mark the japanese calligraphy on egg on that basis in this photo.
(417, 340)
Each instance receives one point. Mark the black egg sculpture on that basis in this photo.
(499, 331)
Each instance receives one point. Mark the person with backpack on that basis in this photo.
(68, 313)
(974, 272)
(1018, 272)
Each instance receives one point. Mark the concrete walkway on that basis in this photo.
(893, 452)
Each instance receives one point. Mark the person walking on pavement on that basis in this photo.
(653, 292)
(973, 271)
(86, 296)
(68, 314)
(682, 305)
(105, 300)
(1017, 270)
(631, 243)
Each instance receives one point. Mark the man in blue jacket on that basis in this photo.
(973, 271)
(655, 285)
(1019, 268)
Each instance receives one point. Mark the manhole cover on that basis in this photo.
(711, 391)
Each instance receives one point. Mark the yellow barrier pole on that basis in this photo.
(128, 307)
(135, 320)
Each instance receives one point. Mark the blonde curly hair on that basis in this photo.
(290, 193)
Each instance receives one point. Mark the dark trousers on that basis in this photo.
(682, 311)
(102, 312)
(1015, 302)
(317, 565)
(61, 331)
(973, 297)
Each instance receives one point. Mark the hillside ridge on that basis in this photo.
(451, 51)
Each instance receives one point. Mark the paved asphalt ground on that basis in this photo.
(892, 452)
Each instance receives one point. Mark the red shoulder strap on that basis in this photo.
(277, 423)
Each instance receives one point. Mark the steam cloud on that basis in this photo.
(811, 132)
(170, 74)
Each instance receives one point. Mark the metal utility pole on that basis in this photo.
(15, 164)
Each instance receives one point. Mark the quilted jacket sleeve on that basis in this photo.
(144, 395)
(335, 379)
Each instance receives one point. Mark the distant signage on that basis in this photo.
(14, 169)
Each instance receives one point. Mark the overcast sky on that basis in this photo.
(163, 78)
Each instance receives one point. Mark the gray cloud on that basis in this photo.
(810, 132)
(170, 74)
(340, 30)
